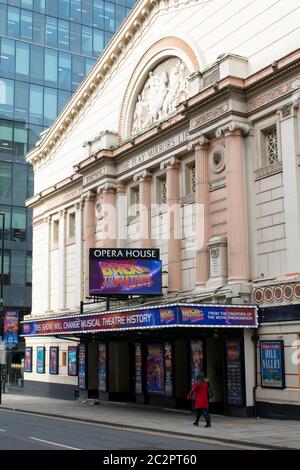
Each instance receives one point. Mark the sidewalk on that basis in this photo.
(261, 432)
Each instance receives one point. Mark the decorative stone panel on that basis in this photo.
(278, 293)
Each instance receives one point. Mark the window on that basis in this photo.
(13, 22)
(5, 183)
(78, 71)
(120, 15)
(98, 42)
(193, 179)
(110, 13)
(271, 146)
(55, 233)
(71, 228)
(3, 19)
(39, 28)
(37, 65)
(162, 190)
(20, 142)
(6, 98)
(28, 269)
(40, 6)
(27, 4)
(87, 40)
(22, 61)
(21, 101)
(6, 148)
(75, 38)
(30, 182)
(26, 24)
(51, 7)
(19, 192)
(99, 14)
(89, 63)
(51, 31)
(18, 265)
(34, 135)
(7, 64)
(63, 97)
(7, 222)
(18, 224)
(134, 209)
(87, 12)
(36, 104)
(63, 9)
(6, 270)
(50, 106)
(64, 71)
(75, 10)
(50, 67)
(63, 34)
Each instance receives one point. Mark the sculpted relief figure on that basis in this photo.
(165, 88)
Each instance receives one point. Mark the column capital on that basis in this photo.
(232, 127)
(109, 186)
(142, 176)
(63, 212)
(172, 162)
(200, 142)
(87, 196)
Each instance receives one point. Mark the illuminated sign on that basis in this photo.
(125, 272)
(173, 315)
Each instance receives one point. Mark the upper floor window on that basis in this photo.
(55, 233)
(71, 226)
(134, 199)
(271, 146)
(163, 198)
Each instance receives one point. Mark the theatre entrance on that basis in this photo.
(159, 367)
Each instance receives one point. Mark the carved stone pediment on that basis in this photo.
(167, 86)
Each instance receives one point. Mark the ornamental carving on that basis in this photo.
(275, 294)
(166, 87)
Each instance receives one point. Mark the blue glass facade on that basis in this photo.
(46, 49)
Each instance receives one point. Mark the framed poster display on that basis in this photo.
(11, 329)
(28, 359)
(82, 367)
(197, 360)
(40, 360)
(234, 372)
(272, 364)
(155, 369)
(72, 360)
(168, 370)
(138, 368)
(102, 367)
(53, 360)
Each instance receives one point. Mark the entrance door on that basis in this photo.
(216, 374)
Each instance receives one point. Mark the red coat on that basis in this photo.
(201, 395)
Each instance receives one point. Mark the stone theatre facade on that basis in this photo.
(186, 140)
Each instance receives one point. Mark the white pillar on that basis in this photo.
(79, 253)
(62, 260)
(47, 265)
(291, 184)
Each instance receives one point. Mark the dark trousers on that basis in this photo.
(204, 411)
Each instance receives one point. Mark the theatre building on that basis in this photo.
(166, 201)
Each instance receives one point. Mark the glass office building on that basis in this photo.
(46, 49)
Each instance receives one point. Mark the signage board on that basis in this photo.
(11, 329)
(235, 395)
(53, 360)
(168, 316)
(125, 272)
(272, 364)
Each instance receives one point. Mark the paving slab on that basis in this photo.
(261, 432)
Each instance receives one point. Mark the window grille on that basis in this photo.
(271, 143)
(163, 190)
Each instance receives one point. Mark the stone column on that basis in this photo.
(291, 179)
(237, 233)
(47, 264)
(145, 185)
(62, 260)
(106, 229)
(79, 252)
(121, 205)
(174, 224)
(88, 201)
(202, 210)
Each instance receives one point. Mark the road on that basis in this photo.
(24, 431)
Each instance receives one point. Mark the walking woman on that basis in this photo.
(200, 390)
